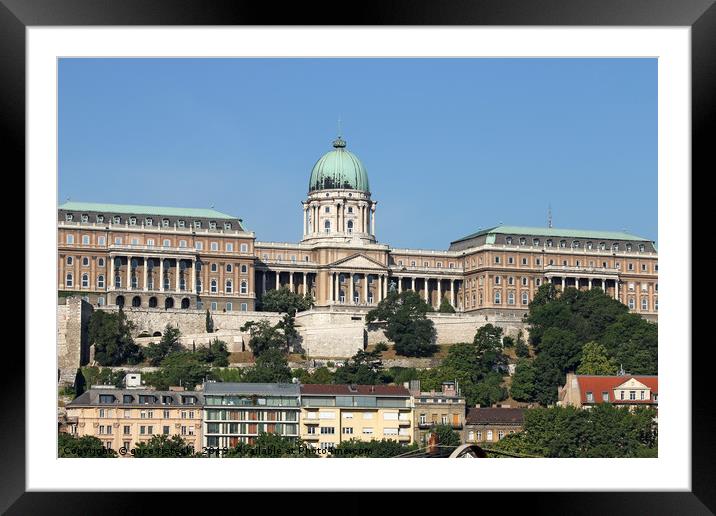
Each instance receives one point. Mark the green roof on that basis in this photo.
(339, 169)
(554, 232)
(145, 210)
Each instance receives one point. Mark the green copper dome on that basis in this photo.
(339, 169)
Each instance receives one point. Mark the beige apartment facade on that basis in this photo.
(123, 418)
(331, 414)
(433, 408)
(197, 259)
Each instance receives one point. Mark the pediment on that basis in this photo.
(358, 261)
(632, 383)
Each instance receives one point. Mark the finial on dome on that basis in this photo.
(339, 143)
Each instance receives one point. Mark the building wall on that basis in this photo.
(72, 346)
(489, 433)
(87, 421)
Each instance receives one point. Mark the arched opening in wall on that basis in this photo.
(185, 303)
(169, 302)
(157, 334)
(153, 302)
(119, 301)
(136, 301)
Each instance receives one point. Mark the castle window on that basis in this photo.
(229, 286)
(497, 280)
(327, 225)
(524, 281)
(150, 242)
(350, 209)
(244, 307)
(350, 226)
(244, 248)
(244, 287)
(523, 241)
(214, 267)
(229, 307)
(227, 225)
(148, 221)
(498, 297)
(85, 239)
(100, 218)
(439, 264)
(165, 223)
(229, 247)
(524, 261)
(525, 298)
(198, 245)
(327, 209)
(132, 221)
(510, 280)
(589, 245)
(229, 268)
(117, 219)
(562, 243)
(85, 281)
(244, 268)
(412, 263)
(135, 241)
(84, 218)
(576, 244)
(68, 217)
(510, 298)
(535, 241)
(213, 287)
(214, 246)
(510, 260)
(508, 240)
(69, 280)
(100, 281)
(497, 259)
(538, 261)
(615, 246)
(212, 224)
(643, 267)
(549, 243)
(631, 304)
(182, 243)
(70, 239)
(85, 261)
(100, 262)
(181, 223)
(602, 246)
(628, 248)
(166, 242)
(644, 304)
(641, 248)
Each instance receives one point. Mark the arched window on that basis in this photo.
(229, 268)
(70, 261)
(117, 281)
(85, 261)
(244, 287)
(498, 297)
(100, 281)
(350, 226)
(327, 226)
(510, 298)
(213, 286)
(244, 268)
(85, 280)
(525, 298)
(229, 286)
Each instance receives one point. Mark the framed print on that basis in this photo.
(303, 254)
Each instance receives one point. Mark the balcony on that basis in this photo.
(586, 272)
(159, 249)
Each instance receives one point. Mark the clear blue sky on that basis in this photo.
(450, 145)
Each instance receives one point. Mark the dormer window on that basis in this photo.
(100, 218)
(148, 221)
(589, 245)
(117, 219)
(181, 223)
(197, 224)
(602, 246)
(641, 248)
(535, 242)
(523, 241)
(628, 248)
(576, 244)
(549, 243)
(132, 221)
(562, 243)
(227, 225)
(508, 240)
(68, 217)
(212, 224)
(85, 218)
(165, 223)
(615, 246)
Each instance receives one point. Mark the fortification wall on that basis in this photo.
(72, 347)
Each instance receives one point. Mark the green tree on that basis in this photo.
(521, 349)
(179, 369)
(508, 342)
(168, 344)
(111, 334)
(227, 374)
(596, 360)
(268, 445)
(489, 389)
(363, 368)
(287, 325)
(162, 446)
(446, 307)
(523, 381)
(263, 337)
(375, 449)
(633, 342)
(216, 353)
(271, 366)
(446, 435)
(283, 300)
(322, 375)
(209, 322)
(87, 446)
(104, 376)
(381, 347)
(406, 323)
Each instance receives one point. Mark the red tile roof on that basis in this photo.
(495, 416)
(599, 384)
(359, 390)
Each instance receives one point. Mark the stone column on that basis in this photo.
(278, 280)
(365, 288)
(305, 217)
(400, 285)
(590, 283)
(129, 272)
(385, 287)
(144, 275)
(193, 275)
(161, 274)
(616, 289)
(563, 283)
(381, 279)
(372, 220)
(176, 275)
(427, 281)
(337, 287)
(305, 283)
(111, 274)
(440, 293)
(352, 300)
(452, 292)
(412, 283)
(263, 282)
(290, 281)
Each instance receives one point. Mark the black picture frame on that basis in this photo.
(700, 15)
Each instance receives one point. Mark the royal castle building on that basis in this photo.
(187, 258)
